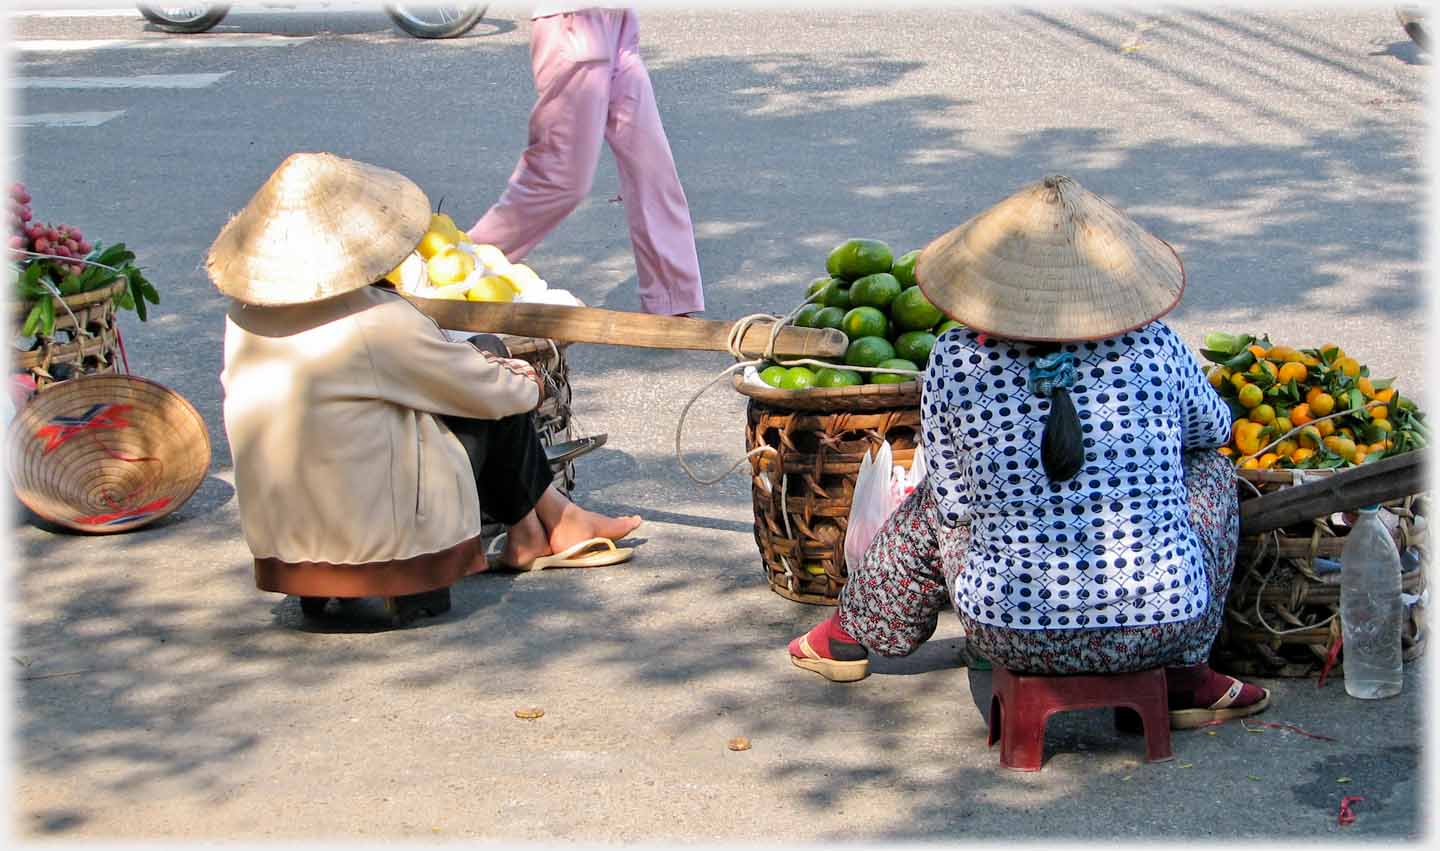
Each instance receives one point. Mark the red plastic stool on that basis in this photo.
(1020, 704)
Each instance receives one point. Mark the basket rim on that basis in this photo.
(902, 395)
(23, 308)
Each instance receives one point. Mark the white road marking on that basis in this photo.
(64, 119)
(140, 81)
(188, 42)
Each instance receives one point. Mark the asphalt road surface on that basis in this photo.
(161, 695)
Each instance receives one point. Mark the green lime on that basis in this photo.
(946, 326)
(913, 312)
(856, 258)
(834, 377)
(797, 378)
(876, 290)
(771, 375)
(891, 377)
(904, 268)
(805, 318)
(836, 294)
(830, 317)
(868, 351)
(817, 285)
(915, 346)
(863, 322)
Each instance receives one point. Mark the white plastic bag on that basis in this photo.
(880, 487)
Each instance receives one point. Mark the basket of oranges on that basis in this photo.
(1298, 416)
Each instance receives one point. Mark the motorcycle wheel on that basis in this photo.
(1410, 19)
(432, 21)
(183, 19)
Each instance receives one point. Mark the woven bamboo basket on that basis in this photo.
(803, 488)
(107, 453)
(86, 339)
(1282, 617)
(866, 397)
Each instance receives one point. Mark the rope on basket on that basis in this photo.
(732, 344)
(55, 291)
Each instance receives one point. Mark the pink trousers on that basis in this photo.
(591, 85)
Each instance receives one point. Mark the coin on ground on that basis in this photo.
(529, 712)
(739, 743)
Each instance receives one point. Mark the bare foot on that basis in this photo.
(568, 524)
(525, 542)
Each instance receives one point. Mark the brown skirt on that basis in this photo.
(394, 578)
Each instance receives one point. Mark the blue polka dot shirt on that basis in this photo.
(1110, 547)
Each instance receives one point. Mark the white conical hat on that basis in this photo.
(321, 225)
(1054, 262)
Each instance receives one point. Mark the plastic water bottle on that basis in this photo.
(1371, 610)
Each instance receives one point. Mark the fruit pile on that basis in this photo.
(62, 272)
(870, 295)
(1307, 408)
(448, 264)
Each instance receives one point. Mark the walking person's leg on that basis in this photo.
(662, 235)
(567, 124)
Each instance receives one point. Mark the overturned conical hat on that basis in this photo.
(1054, 261)
(321, 225)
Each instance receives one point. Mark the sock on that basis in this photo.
(831, 641)
(1200, 686)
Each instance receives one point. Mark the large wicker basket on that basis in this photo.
(86, 339)
(803, 487)
(1282, 617)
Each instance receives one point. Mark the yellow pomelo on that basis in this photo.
(491, 288)
(450, 266)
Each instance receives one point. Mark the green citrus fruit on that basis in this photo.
(869, 351)
(830, 317)
(863, 322)
(915, 346)
(797, 378)
(904, 268)
(835, 294)
(856, 258)
(835, 377)
(891, 377)
(817, 285)
(876, 290)
(913, 312)
(946, 326)
(771, 375)
(806, 317)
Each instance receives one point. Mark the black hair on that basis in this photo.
(1062, 449)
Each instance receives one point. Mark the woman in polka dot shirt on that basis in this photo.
(1075, 513)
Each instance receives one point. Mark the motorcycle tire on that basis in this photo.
(189, 19)
(1411, 19)
(429, 21)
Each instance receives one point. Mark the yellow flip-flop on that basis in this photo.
(596, 552)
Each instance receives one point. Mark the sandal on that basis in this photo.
(596, 552)
(1221, 710)
(802, 655)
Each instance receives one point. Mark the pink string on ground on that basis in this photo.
(120, 340)
(1347, 815)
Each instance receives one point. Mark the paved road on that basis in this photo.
(1279, 152)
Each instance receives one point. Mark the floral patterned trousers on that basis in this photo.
(891, 602)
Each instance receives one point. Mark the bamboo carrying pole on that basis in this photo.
(623, 328)
(1343, 490)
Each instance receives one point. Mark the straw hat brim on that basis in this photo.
(320, 226)
(1053, 262)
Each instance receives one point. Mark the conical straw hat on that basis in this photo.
(321, 225)
(1051, 262)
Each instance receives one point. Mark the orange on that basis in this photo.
(1383, 424)
(1379, 412)
(1283, 353)
(1283, 425)
(1263, 414)
(1300, 415)
(1264, 367)
(1268, 460)
(1292, 371)
(1217, 376)
(1251, 395)
(1347, 365)
(1312, 392)
(1258, 350)
(1359, 455)
(1324, 403)
(1342, 446)
(1286, 447)
(1385, 395)
(1247, 436)
(1346, 432)
(1227, 452)
(1310, 437)
(1300, 455)
(1239, 380)
(1325, 427)
(1249, 464)
(1366, 387)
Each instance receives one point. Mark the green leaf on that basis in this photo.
(1216, 356)
(1229, 343)
(1357, 400)
(1241, 362)
(47, 316)
(137, 298)
(32, 321)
